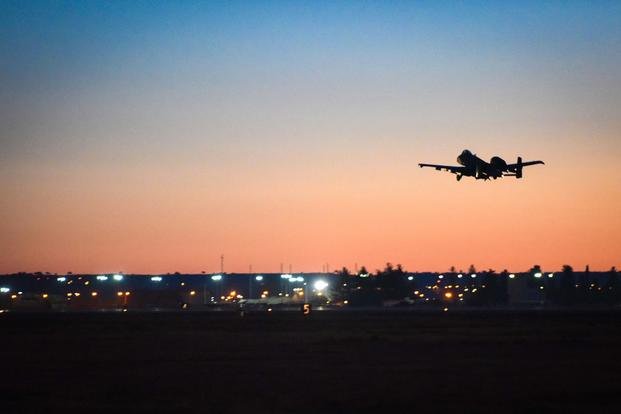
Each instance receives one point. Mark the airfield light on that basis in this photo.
(538, 275)
(87, 283)
(4, 289)
(410, 278)
(44, 296)
(13, 296)
(258, 278)
(61, 279)
(448, 295)
(320, 285)
(216, 278)
(93, 294)
(345, 302)
(117, 277)
(445, 309)
(102, 277)
(76, 294)
(511, 276)
(119, 293)
(192, 292)
(156, 279)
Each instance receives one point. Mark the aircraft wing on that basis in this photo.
(450, 168)
(523, 164)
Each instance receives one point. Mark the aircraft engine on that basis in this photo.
(498, 163)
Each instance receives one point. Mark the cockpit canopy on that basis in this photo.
(464, 157)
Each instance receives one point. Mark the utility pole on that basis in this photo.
(222, 263)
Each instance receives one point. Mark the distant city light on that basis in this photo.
(511, 276)
(473, 275)
(538, 275)
(117, 277)
(44, 296)
(93, 294)
(5, 289)
(156, 279)
(441, 277)
(285, 276)
(216, 278)
(258, 278)
(448, 295)
(459, 276)
(61, 279)
(102, 277)
(551, 275)
(410, 277)
(300, 279)
(320, 285)
(192, 292)
(119, 293)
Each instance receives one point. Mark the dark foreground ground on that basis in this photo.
(330, 362)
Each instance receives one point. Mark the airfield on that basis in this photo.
(327, 362)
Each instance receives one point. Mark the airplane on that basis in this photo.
(473, 166)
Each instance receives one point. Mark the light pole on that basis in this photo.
(217, 279)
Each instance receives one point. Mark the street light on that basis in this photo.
(216, 278)
(320, 285)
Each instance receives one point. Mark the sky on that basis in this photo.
(153, 137)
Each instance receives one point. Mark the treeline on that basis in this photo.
(487, 288)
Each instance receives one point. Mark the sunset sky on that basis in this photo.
(155, 136)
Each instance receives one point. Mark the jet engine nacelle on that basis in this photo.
(498, 163)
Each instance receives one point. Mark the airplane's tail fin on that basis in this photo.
(518, 168)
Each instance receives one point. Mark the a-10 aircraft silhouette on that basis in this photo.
(473, 166)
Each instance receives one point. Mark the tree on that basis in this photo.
(472, 269)
(392, 283)
(342, 289)
(567, 286)
(612, 291)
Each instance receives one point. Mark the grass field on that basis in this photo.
(329, 362)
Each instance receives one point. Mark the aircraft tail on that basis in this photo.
(518, 168)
